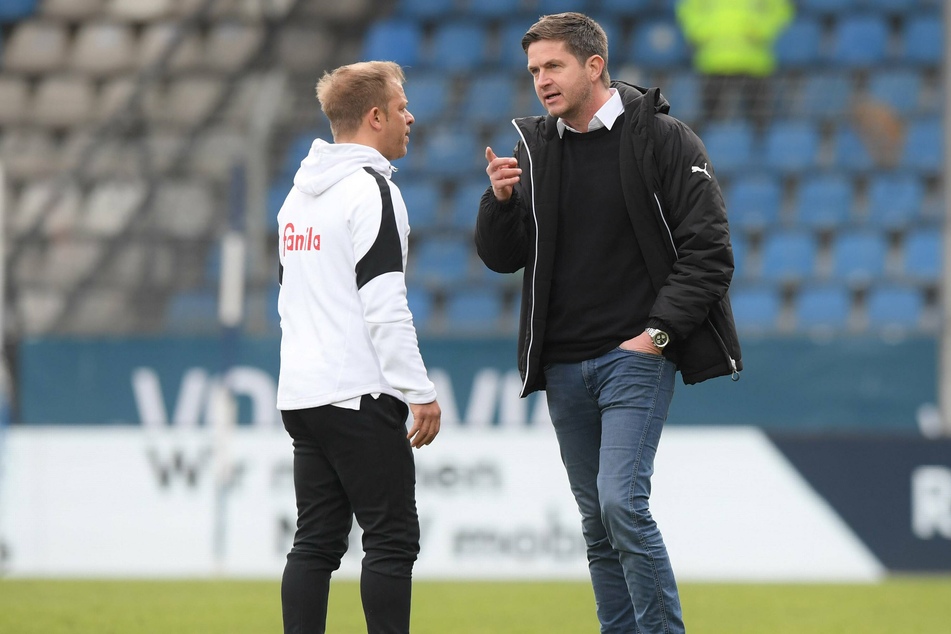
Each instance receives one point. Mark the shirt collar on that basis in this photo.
(603, 118)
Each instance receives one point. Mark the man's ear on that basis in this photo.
(595, 67)
(375, 118)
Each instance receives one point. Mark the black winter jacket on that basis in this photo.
(680, 222)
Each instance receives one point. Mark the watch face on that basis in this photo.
(660, 338)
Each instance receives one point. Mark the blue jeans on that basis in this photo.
(608, 414)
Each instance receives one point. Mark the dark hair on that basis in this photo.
(583, 37)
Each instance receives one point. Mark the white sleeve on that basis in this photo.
(381, 230)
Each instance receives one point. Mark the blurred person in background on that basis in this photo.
(733, 50)
(612, 209)
(350, 361)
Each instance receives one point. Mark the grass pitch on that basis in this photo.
(897, 606)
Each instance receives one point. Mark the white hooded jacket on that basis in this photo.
(346, 328)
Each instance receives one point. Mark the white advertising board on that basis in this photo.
(493, 504)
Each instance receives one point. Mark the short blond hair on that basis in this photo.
(347, 93)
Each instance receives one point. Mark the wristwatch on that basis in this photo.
(659, 337)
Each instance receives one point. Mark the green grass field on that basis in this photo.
(898, 606)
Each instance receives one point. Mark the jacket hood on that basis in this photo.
(631, 93)
(328, 163)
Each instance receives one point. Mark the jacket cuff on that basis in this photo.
(653, 322)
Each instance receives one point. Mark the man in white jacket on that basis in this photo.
(350, 360)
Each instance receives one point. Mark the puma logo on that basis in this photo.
(703, 170)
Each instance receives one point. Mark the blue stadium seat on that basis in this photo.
(830, 6)
(458, 46)
(425, 9)
(617, 8)
(465, 203)
(800, 45)
(754, 201)
(849, 153)
(428, 95)
(922, 255)
(923, 150)
(13, 10)
(394, 40)
(683, 90)
(489, 8)
(740, 257)
(858, 256)
(422, 198)
(657, 43)
(791, 146)
(923, 38)
(823, 307)
(899, 88)
(503, 140)
(824, 95)
(451, 152)
(729, 145)
(473, 310)
(788, 256)
(511, 54)
(440, 260)
(422, 305)
(895, 307)
(895, 200)
(490, 98)
(756, 309)
(825, 201)
(860, 41)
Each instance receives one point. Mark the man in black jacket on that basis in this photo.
(612, 208)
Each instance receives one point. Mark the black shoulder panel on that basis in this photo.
(386, 254)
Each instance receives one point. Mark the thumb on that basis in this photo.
(489, 154)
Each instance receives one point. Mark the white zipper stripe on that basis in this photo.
(531, 315)
(660, 210)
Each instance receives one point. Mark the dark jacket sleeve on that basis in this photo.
(501, 235)
(696, 215)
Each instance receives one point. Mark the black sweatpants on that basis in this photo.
(352, 463)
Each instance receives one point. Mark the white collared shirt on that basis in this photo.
(603, 118)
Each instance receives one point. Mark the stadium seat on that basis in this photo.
(110, 207)
(490, 98)
(923, 39)
(395, 40)
(63, 101)
(683, 90)
(895, 200)
(422, 305)
(858, 256)
(425, 9)
(190, 99)
(451, 151)
(788, 256)
(157, 37)
(15, 10)
(849, 153)
(923, 150)
(510, 54)
(216, 151)
(898, 88)
(740, 248)
(892, 6)
(183, 209)
(824, 201)
(465, 203)
(428, 95)
(488, 8)
(800, 44)
(70, 9)
(28, 153)
(36, 46)
(757, 309)
(458, 46)
(656, 43)
(829, 6)
(860, 40)
(824, 95)
(922, 255)
(43, 197)
(754, 201)
(229, 46)
(39, 309)
(791, 146)
(823, 307)
(476, 310)
(616, 8)
(423, 203)
(729, 145)
(14, 99)
(894, 307)
(441, 261)
(139, 10)
(103, 48)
